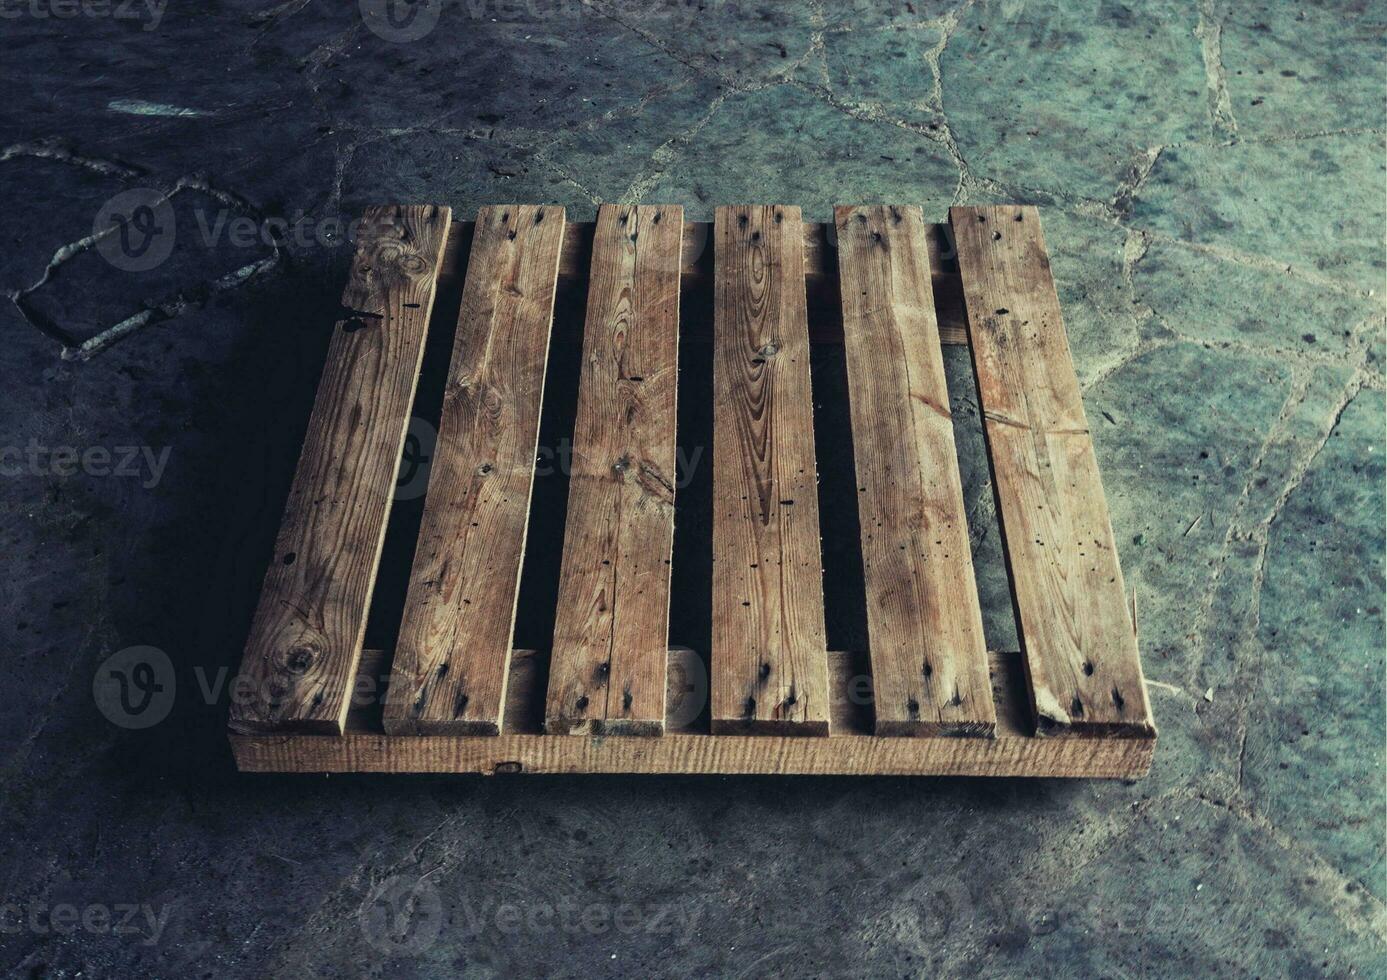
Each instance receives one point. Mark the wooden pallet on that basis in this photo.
(609, 694)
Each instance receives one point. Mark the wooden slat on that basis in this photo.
(686, 748)
(924, 622)
(607, 672)
(305, 639)
(769, 672)
(1077, 635)
(455, 638)
(1051, 758)
(696, 263)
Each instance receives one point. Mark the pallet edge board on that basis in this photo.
(459, 614)
(851, 750)
(1115, 758)
(1083, 666)
(306, 635)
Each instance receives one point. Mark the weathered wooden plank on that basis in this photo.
(607, 671)
(455, 638)
(1078, 638)
(852, 749)
(696, 263)
(1114, 758)
(305, 639)
(769, 653)
(924, 620)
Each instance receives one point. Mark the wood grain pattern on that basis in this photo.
(318, 704)
(305, 639)
(769, 653)
(1115, 758)
(455, 637)
(696, 263)
(607, 672)
(851, 750)
(1080, 644)
(924, 620)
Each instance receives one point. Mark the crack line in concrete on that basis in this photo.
(1246, 646)
(1127, 190)
(1295, 397)
(1259, 532)
(155, 311)
(600, 8)
(818, 20)
(1368, 919)
(666, 154)
(1210, 34)
(1124, 358)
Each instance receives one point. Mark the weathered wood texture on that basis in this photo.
(607, 672)
(769, 653)
(1076, 632)
(924, 620)
(851, 750)
(301, 656)
(456, 698)
(696, 264)
(455, 637)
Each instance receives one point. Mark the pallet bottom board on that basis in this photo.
(1060, 756)
(687, 748)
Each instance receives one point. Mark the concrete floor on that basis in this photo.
(1211, 177)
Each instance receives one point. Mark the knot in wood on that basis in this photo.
(299, 660)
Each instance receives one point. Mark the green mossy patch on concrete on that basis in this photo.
(1305, 67)
(884, 71)
(1316, 718)
(618, 157)
(1087, 257)
(407, 168)
(1221, 301)
(1066, 97)
(784, 146)
(1315, 205)
(1177, 432)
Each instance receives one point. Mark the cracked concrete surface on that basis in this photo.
(1211, 181)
